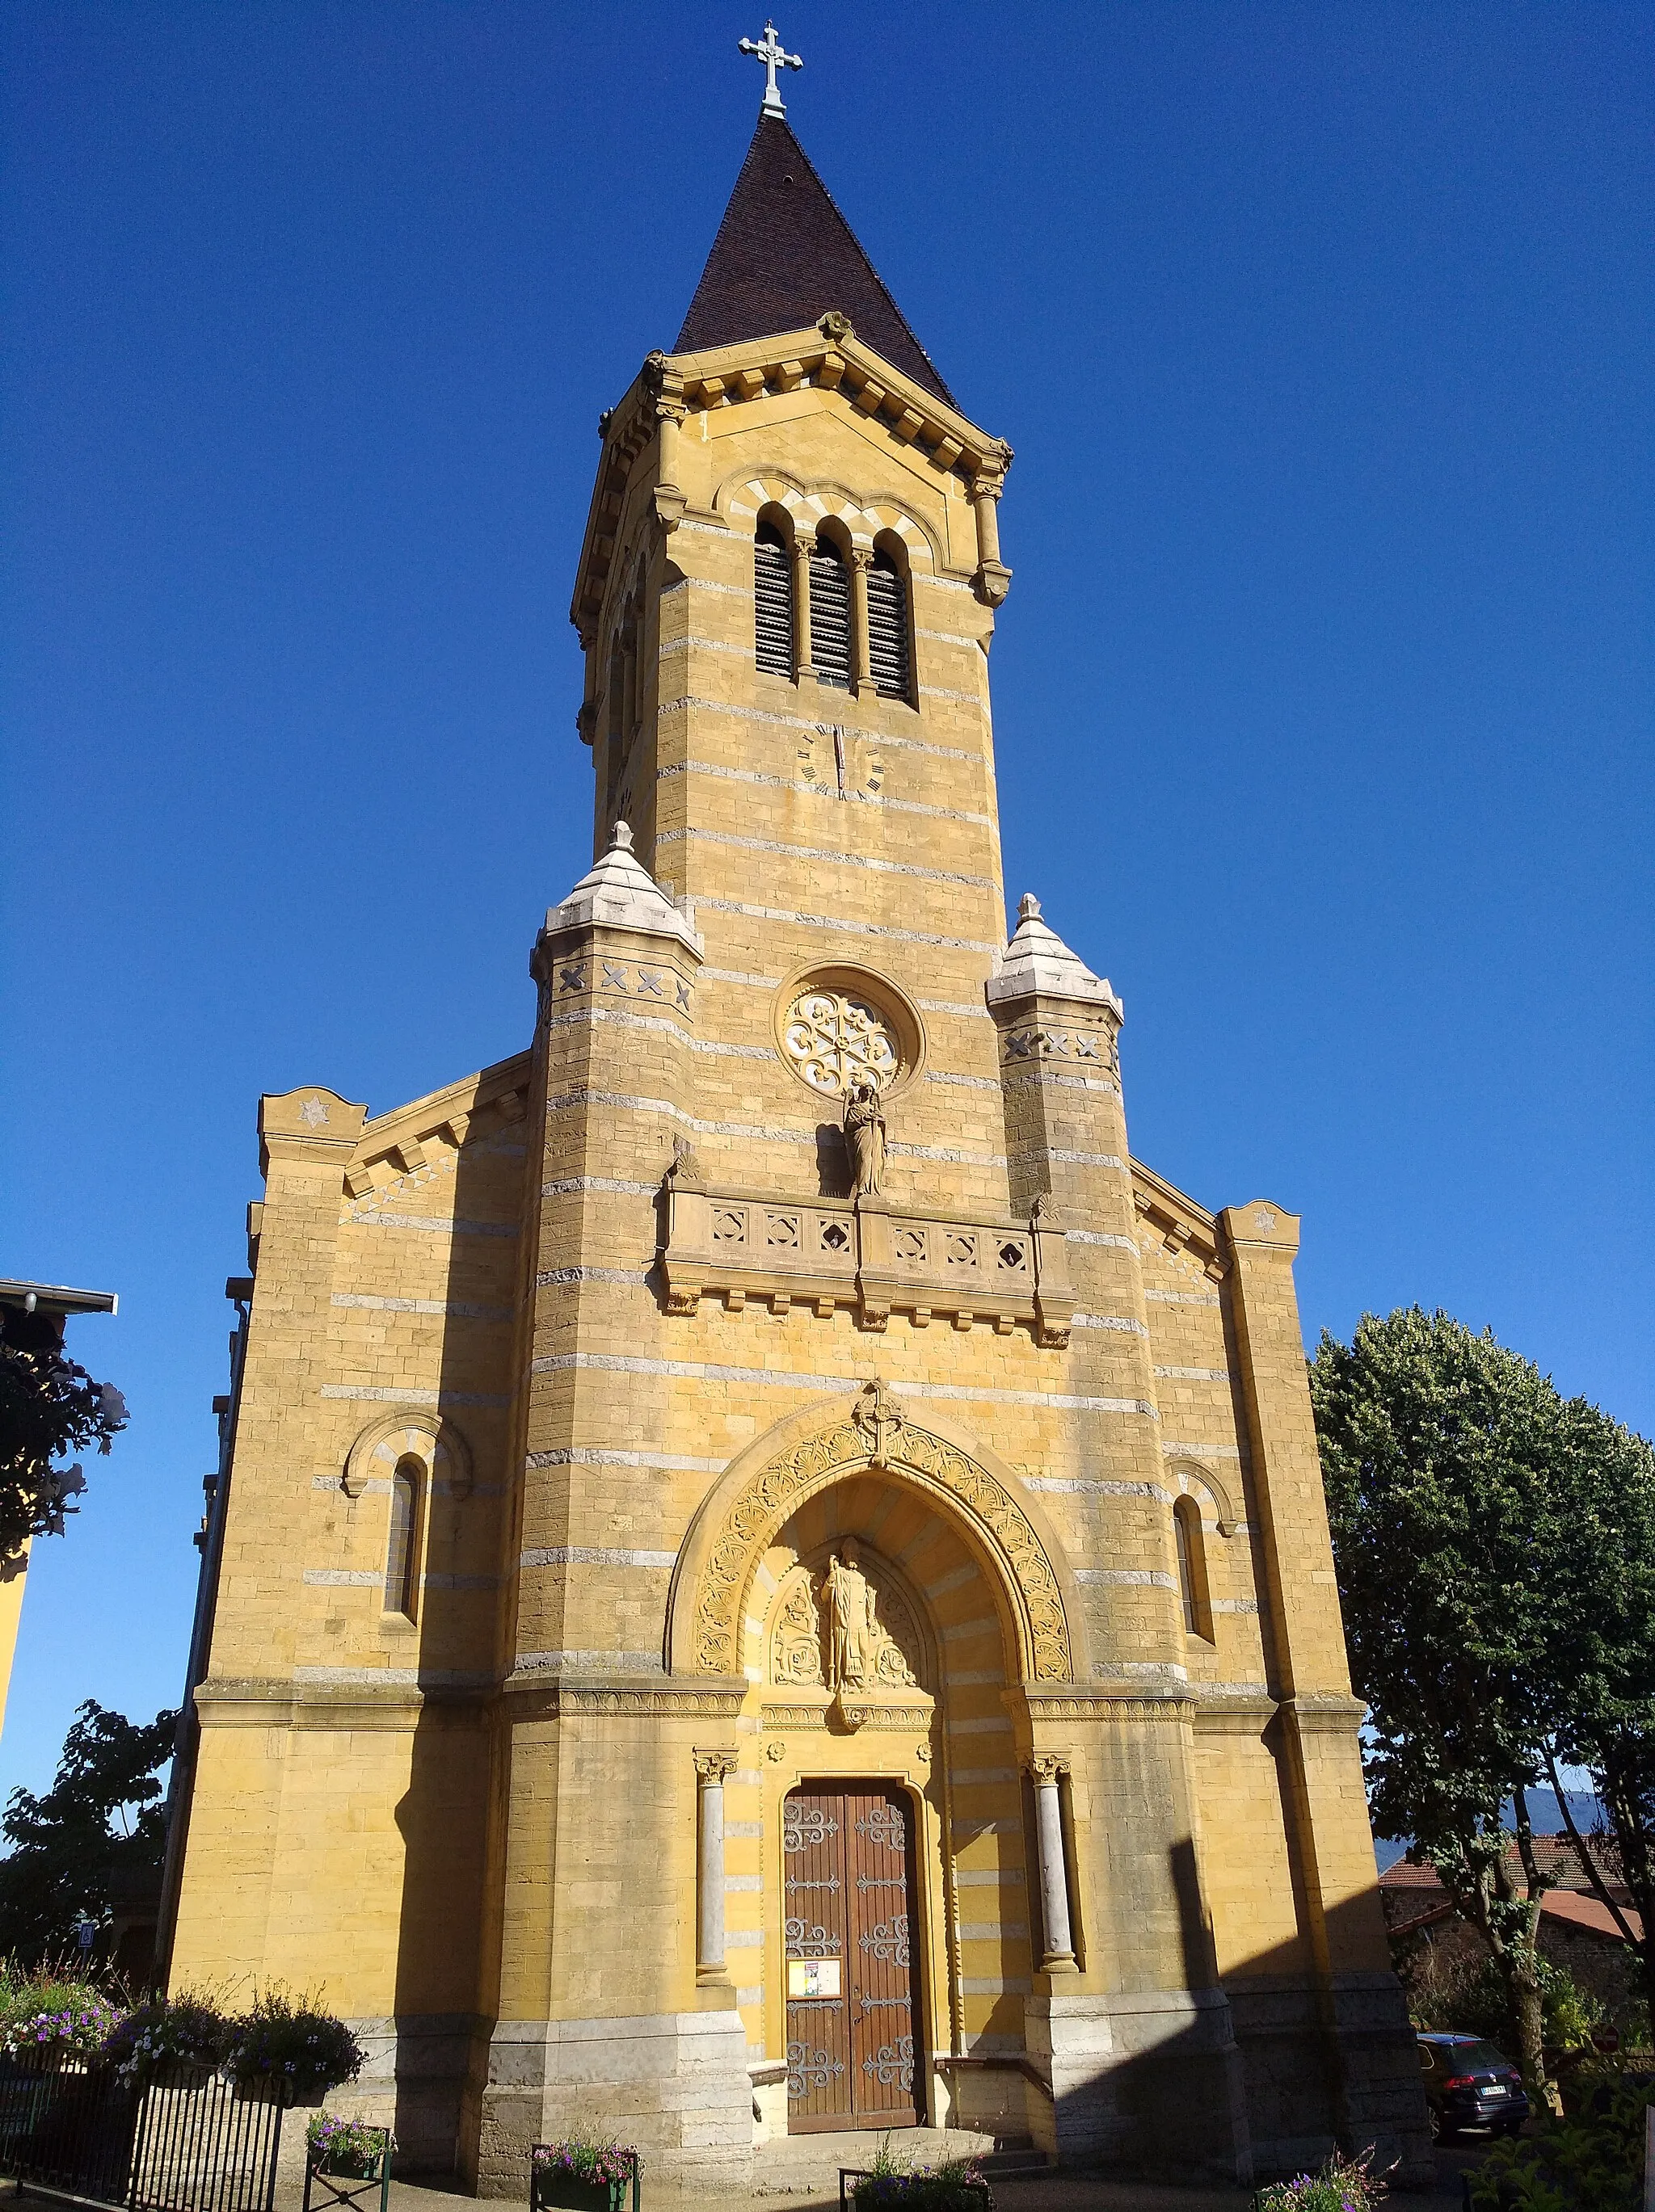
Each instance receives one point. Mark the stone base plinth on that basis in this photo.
(675, 2085)
(1340, 2070)
(1148, 2079)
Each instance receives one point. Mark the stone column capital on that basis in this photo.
(1046, 1765)
(713, 1768)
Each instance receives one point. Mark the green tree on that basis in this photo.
(48, 1407)
(1442, 1454)
(1605, 1661)
(101, 1817)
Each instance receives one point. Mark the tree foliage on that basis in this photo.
(1495, 1545)
(100, 1819)
(48, 1407)
(1606, 1656)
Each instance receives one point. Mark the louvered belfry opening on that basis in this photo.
(887, 627)
(830, 614)
(772, 602)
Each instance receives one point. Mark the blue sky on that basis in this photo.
(1323, 693)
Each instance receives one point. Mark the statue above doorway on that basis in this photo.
(840, 1627)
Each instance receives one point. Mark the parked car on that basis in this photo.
(1470, 2084)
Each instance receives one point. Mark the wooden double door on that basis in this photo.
(856, 2042)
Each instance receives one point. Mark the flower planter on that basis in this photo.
(861, 2191)
(553, 2187)
(349, 2177)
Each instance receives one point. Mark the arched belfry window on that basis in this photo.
(402, 1551)
(830, 613)
(772, 601)
(1192, 1569)
(887, 627)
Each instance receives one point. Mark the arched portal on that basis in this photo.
(889, 1603)
(712, 1579)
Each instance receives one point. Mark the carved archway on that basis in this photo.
(413, 1431)
(740, 498)
(711, 1586)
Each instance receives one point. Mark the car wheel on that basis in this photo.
(1509, 2128)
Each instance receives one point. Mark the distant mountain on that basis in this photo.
(1544, 1818)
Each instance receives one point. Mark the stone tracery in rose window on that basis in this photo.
(834, 1040)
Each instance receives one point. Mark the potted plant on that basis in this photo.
(44, 2019)
(891, 2185)
(1342, 2184)
(346, 2151)
(292, 2052)
(587, 2173)
(167, 2036)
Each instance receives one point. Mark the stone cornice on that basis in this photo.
(1111, 1704)
(536, 1697)
(257, 1701)
(493, 1099)
(828, 356)
(1177, 1219)
(1261, 1226)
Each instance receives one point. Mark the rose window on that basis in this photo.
(834, 1041)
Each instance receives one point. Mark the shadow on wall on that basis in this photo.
(1293, 2067)
(436, 2045)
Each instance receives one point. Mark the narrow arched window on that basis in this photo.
(887, 627)
(1192, 1569)
(772, 601)
(402, 1552)
(830, 614)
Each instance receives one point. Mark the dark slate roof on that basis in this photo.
(784, 255)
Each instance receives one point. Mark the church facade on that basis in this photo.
(766, 1575)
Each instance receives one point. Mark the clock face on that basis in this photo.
(839, 764)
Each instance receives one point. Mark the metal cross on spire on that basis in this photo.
(770, 50)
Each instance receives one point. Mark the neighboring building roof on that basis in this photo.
(784, 256)
(1427, 1902)
(1556, 1857)
(1590, 1914)
(55, 1298)
(1404, 1875)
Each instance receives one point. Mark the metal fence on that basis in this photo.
(186, 2143)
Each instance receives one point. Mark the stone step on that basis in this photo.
(1010, 2156)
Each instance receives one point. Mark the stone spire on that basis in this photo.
(618, 892)
(1038, 964)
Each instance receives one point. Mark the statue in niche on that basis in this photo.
(865, 1139)
(852, 1630)
(843, 1632)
